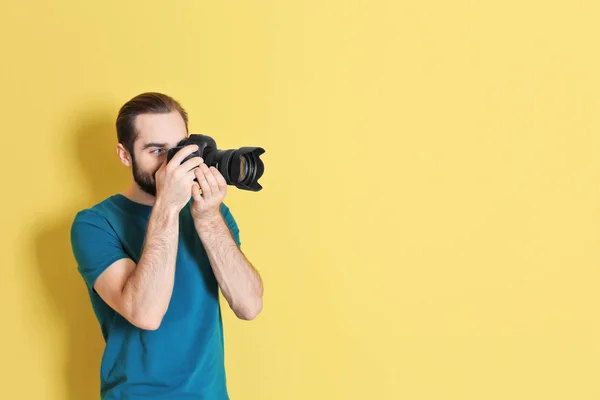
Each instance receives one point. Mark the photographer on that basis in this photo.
(153, 259)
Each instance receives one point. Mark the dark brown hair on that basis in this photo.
(145, 103)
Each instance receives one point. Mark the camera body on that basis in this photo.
(240, 167)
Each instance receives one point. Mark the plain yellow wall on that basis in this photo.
(429, 226)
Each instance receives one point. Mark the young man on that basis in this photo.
(153, 259)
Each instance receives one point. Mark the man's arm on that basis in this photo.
(238, 279)
(141, 293)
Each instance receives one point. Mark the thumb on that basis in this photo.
(160, 169)
(196, 192)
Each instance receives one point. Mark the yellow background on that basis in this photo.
(429, 226)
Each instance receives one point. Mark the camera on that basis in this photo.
(240, 167)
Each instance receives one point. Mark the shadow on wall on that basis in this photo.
(91, 144)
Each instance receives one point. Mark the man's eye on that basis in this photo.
(156, 151)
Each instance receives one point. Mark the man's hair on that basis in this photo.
(145, 103)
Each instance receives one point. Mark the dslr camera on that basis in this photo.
(240, 167)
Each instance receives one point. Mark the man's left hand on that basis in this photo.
(208, 192)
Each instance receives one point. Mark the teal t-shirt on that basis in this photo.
(184, 357)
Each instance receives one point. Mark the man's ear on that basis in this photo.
(124, 155)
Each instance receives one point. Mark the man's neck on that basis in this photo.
(134, 193)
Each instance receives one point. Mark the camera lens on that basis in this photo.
(243, 168)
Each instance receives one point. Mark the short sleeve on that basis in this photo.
(231, 223)
(95, 245)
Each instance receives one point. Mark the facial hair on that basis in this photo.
(146, 181)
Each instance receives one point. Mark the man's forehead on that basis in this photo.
(160, 128)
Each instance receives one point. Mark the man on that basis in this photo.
(153, 259)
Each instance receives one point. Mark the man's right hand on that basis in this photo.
(174, 180)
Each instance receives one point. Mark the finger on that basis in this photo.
(221, 182)
(190, 177)
(160, 169)
(204, 186)
(210, 177)
(190, 164)
(196, 193)
(162, 166)
(181, 154)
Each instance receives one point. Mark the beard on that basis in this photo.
(145, 180)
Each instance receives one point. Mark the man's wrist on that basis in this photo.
(209, 223)
(169, 211)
